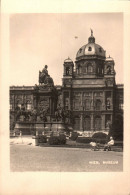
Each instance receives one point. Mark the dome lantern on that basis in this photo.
(91, 39)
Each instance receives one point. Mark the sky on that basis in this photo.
(40, 39)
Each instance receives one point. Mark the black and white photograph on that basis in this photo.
(66, 92)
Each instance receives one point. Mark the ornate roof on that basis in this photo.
(91, 48)
(109, 59)
(68, 60)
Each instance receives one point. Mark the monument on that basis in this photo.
(45, 116)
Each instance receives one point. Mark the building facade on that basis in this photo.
(88, 90)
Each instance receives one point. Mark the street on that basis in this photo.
(61, 159)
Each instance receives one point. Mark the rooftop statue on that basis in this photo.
(91, 32)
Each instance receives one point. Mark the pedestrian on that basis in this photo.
(109, 144)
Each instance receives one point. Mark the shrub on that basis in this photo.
(53, 140)
(100, 138)
(62, 139)
(100, 141)
(42, 139)
(57, 140)
(33, 132)
(74, 136)
(99, 135)
(84, 140)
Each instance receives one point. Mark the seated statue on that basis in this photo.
(44, 77)
(43, 74)
(45, 71)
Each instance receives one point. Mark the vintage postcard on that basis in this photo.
(64, 120)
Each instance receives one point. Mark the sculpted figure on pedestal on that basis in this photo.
(44, 77)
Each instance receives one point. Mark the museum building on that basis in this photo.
(89, 91)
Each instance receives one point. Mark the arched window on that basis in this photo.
(100, 49)
(98, 104)
(97, 123)
(18, 105)
(90, 68)
(79, 69)
(76, 104)
(84, 69)
(108, 69)
(89, 48)
(66, 103)
(80, 50)
(28, 105)
(121, 104)
(67, 70)
(87, 104)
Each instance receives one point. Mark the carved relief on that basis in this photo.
(43, 104)
(77, 94)
(67, 81)
(76, 104)
(97, 94)
(109, 82)
(87, 94)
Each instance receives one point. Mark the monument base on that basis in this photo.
(30, 128)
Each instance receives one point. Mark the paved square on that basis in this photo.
(56, 159)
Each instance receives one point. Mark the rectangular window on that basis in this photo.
(76, 104)
(28, 106)
(87, 105)
(19, 105)
(121, 105)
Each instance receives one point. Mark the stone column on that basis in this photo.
(111, 100)
(92, 122)
(69, 100)
(82, 100)
(63, 99)
(34, 101)
(103, 104)
(50, 105)
(111, 118)
(64, 70)
(103, 122)
(13, 105)
(92, 103)
(81, 122)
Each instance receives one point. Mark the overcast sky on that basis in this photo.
(39, 39)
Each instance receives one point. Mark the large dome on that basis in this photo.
(91, 49)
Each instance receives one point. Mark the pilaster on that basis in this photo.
(81, 122)
(92, 122)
